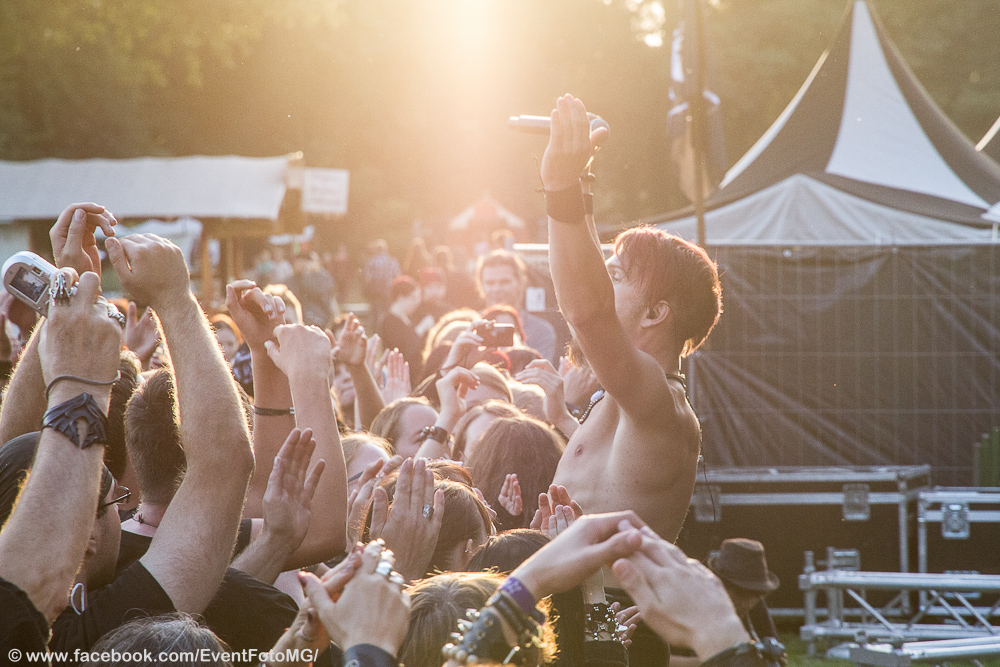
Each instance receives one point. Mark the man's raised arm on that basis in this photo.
(78, 340)
(583, 286)
(192, 546)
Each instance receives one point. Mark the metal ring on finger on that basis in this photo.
(116, 315)
(384, 568)
(427, 512)
(60, 292)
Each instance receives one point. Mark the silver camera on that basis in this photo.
(27, 276)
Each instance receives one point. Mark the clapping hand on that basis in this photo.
(510, 495)
(556, 511)
(300, 349)
(287, 504)
(151, 269)
(397, 377)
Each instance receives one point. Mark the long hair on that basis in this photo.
(524, 446)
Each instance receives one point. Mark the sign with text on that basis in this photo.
(324, 190)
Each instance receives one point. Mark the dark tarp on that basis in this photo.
(852, 356)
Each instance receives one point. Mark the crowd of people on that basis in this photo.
(253, 488)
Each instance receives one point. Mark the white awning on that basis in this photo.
(198, 186)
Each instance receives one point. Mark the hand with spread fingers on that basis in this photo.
(541, 372)
(151, 269)
(679, 598)
(373, 608)
(255, 313)
(352, 346)
(290, 490)
(79, 339)
(73, 242)
(410, 527)
(397, 378)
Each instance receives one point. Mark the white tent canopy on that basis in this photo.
(198, 186)
(861, 156)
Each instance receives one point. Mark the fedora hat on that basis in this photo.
(741, 562)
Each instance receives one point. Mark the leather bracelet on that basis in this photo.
(483, 639)
(566, 205)
(273, 412)
(63, 418)
(435, 433)
(96, 383)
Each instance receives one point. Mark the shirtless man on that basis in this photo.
(654, 301)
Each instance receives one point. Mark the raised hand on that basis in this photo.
(397, 379)
(78, 337)
(151, 269)
(510, 495)
(352, 346)
(410, 527)
(451, 390)
(255, 313)
(556, 511)
(465, 344)
(541, 372)
(73, 241)
(290, 489)
(571, 144)
(142, 334)
(300, 349)
(372, 360)
(579, 384)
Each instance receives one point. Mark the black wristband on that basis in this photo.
(63, 418)
(273, 412)
(435, 433)
(566, 205)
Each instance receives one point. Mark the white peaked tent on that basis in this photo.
(857, 240)
(861, 156)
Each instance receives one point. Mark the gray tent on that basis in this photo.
(858, 240)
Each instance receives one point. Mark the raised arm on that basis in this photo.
(79, 339)
(304, 354)
(193, 544)
(583, 286)
(74, 246)
(257, 314)
(350, 351)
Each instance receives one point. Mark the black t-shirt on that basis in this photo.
(247, 613)
(396, 333)
(133, 594)
(22, 626)
(133, 546)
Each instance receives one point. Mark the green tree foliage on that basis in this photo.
(412, 95)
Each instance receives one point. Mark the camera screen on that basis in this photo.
(28, 284)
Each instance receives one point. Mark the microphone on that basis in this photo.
(541, 124)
